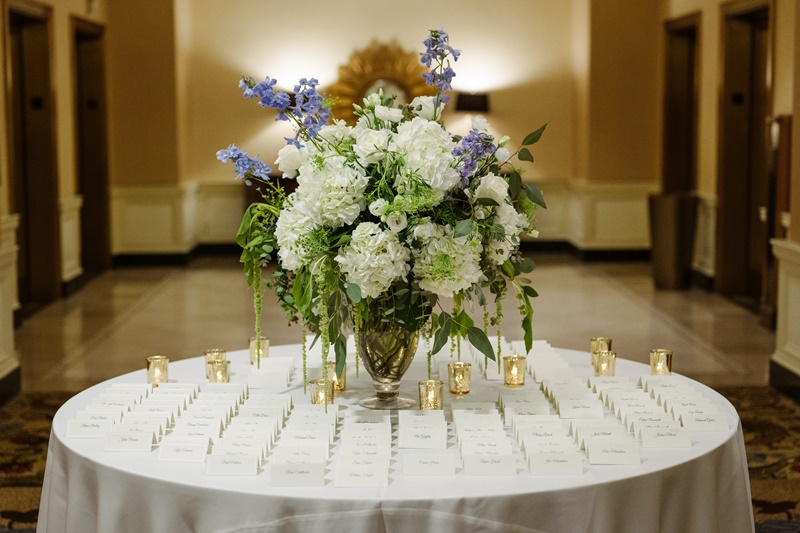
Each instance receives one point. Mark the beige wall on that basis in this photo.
(794, 228)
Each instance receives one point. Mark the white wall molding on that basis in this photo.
(609, 216)
(154, 220)
(70, 214)
(787, 334)
(220, 207)
(8, 292)
(705, 235)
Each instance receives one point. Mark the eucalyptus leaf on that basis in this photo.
(529, 291)
(535, 194)
(486, 201)
(527, 265)
(354, 292)
(481, 342)
(534, 137)
(441, 336)
(514, 184)
(525, 155)
(340, 348)
(464, 227)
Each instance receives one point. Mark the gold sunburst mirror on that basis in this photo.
(378, 66)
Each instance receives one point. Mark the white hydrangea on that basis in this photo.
(445, 265)
(513, 223)
(334, 192)
(426, 148)
(373, 259)
(293, 222)
(335, 132)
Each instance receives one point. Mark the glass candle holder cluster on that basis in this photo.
(459, 374)
(597, 345)
(514, 370)
(157, 369)
(220, 371)
(606, 362)
(318, 388)
(258, 349)
(339, 382)
(212, 355)
(660, 362)
(430, 394)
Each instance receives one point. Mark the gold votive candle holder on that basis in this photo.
(460, 374)
(157, 369)
(339, 382)
(430, 394)
(598, 344)
(606, 362)
(214, 354)
(660, 362)
(318, 387)
(255, 349)
(220, 372)
(514, 370)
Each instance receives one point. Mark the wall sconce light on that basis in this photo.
(472, 102)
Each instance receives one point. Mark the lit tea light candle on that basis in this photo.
(339, 382)
(598, 344)
(430, 394)
(220, 371)
(318, 387)
(514, 370)
(259, 349)
(214, 354)
(157, 369)
(606, 362)
(660, 362)
(460, 374)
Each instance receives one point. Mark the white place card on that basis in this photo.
(88, 428)
(533, 409)
(614, 453)
(554, 426)
(301, 455)
(547, 445)
(429, 464)
(629, 415)
(267, 396)
(351, 446)
(623, 406)
(162, 410)
(412, 414)
(665, 438)
(701, 409)
(232, 465)
(556, 463)
(185, 432)
(611, 397)
(348, 438)
(98, 417)
(486, 446)
(667, 398)
(596, 382)
(489, 465)
(182, 453)
(543, 373)
(361, 476)
(648, 381)
(637, 422)
(656, 390)
(479, 407)
(423, 438)
(611, 433)
(704, 422)
(193, 387)
(129, 442)
(580, 408)
(268, 378)
(144, 388)
(297, 475)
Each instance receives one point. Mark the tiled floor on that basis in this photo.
(126, 314)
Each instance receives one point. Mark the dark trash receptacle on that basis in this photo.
(672, 228)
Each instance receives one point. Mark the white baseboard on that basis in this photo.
(220, 207)
(787, 334)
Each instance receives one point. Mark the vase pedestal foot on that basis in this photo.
(391, 403)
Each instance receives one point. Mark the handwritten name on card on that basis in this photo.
(704, 422)
(490, 465)
(568, 463)
(361, 476)
(232, 465)
(297, 475)
(616, 453)
(440, 464)
(580, 408)
(183, 453)
(129, 442)
(665, 438)
(431, 438)
(88, 428)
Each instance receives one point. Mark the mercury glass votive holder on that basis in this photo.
(318, 387)
(598, 344)
(220, 371)
(214, 354)
(460, 374)
(339, 382)
(430, 394)
(254, 350)
(606, 362)
(157, 369)
(514, 370)
(660, 362)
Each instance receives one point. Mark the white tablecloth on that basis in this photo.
(702, 489)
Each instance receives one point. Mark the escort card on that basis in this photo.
(143, 388)
(623, 406)
(667, 398)
(429, 464)
(489, 446)
(546, 445)
(207, 417)
(266, 396)
(301, 455)
(426, 437)
(168, 412)
(556, 463)
(539, 435)
(543, 373)
(637, 422)
(704, 422)
(98, 417)
(182, 453)
(384, 454)
(237, 388)
(129, 442)
(411, 414)
(232, 465)
(614, 453)
(598, 382)
(516, 408)
(297, 475)
(194, 388)
(490, 465)
(475, 407)
(160, 417)
(630, 414)
(553, 426)
(690, 409)
(665, 438)
(361, 476)
(268, 378)
(347, 438)
(353, 445)
(580, 408)
(612, 397)
(185, 432)
(646, 382)
(590, 435)
(88, 428)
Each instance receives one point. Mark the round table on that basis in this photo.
(704, 489)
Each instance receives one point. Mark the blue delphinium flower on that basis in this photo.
(475, 146)
(246, 167)
(437, 50)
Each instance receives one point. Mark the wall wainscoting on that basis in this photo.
(9, 366)
(70, 224)
(705, 236)
(787, 335)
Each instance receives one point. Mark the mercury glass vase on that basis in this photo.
(386, 349)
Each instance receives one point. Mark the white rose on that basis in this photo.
(502, 155)
(480, 123)
(493, 187)
(422, 106)
(378, 206)
(396, 221)
(371, 145)
(290, 158)
(373, 100)
(388, 114)
(503, 140)
(425, 231)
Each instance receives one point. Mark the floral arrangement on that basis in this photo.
(389, 216)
